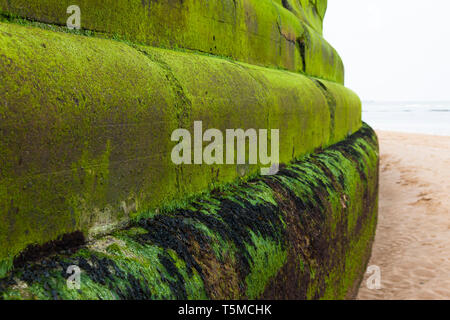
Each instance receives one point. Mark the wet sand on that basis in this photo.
(412, 245)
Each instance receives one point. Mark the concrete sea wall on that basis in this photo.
(86, 175)
(86, 126)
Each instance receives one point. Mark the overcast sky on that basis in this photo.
(393, 49)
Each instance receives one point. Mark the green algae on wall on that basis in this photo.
(276, 33)
(82, 118)
(311, 227)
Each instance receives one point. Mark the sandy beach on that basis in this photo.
(412, 245)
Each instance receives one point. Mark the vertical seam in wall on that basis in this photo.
(183, 104)
(331, 103)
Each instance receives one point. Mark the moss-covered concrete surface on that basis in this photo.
(85, 127)
(86, 118)
(276, 33)
(305, 233)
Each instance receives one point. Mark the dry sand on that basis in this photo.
(412, 244)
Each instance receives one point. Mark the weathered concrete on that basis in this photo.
(86, 123)
(275, 33)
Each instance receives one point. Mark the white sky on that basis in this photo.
(393, 49)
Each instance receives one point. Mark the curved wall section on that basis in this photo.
(283, 34)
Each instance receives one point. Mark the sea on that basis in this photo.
(414, 117)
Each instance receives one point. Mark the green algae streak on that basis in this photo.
(305, 233)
